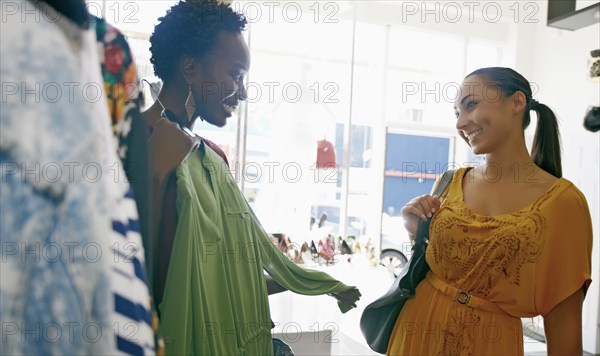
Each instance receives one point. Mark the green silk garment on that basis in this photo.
(215, 300)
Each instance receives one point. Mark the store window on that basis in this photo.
(299, 90)
(317, 76)
(481, 55)
(423, 83)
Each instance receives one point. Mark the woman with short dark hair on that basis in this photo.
(212, 251)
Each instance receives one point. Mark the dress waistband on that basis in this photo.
(462, 297)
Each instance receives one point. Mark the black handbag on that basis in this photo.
(378, 318)
(280, 348)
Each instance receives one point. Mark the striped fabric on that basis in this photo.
(131, 319)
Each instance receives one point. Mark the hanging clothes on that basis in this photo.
(325, 155)
(129, 281)
(55, 152)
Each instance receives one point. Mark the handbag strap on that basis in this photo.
(422, 239)
(423, 227)
(443, 183)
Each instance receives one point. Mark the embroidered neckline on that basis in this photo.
(526, 209)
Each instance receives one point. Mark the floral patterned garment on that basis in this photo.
(120, 81)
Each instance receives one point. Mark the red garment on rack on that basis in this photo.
(325, 155)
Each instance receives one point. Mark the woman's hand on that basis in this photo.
(351, 296)
(422, 207)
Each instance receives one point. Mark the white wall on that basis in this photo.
(557, 61)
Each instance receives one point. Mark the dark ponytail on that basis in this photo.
(546, 142)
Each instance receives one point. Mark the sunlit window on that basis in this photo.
(314, 74)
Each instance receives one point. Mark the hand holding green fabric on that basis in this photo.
(216, 297)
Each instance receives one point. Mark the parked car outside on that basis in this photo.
(396, 247)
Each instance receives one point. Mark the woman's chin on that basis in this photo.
(217, 120)
(478, 150)
(221, 121)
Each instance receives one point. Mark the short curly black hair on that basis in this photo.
(190, 28)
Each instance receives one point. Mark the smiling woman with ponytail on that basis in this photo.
(546, 142)
(508, 239)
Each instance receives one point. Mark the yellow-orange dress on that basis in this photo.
(514, 265)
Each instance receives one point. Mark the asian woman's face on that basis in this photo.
(218, 86)
(486, 119)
